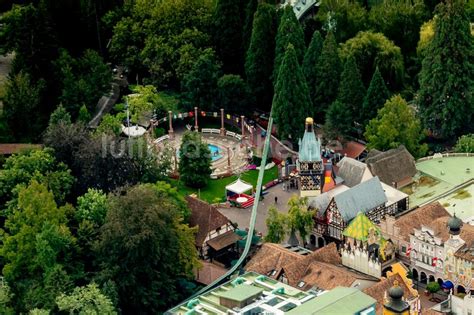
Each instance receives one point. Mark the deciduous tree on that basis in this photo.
(394, 125)
(233, 94)
(465, 144)
(39, 165)
(200, 84)
(145, 249)
(86, 300)
(194, 160)
(38, 249)
(84, 80)
(21, 105)
(346, 18)
(300, 219)
(276, 225)
(373, 50)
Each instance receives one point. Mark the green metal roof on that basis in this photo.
(241, 292)
(359, 228)
(310, 148)
(340, 300)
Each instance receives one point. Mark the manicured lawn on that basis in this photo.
(215, 189)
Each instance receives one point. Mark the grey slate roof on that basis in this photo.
(351, 171)
(320, 203)
(363, 197)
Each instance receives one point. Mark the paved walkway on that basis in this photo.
(242, 216)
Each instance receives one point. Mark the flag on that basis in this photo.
(180, 115)
(203, 113)
(228, 116)
(214, 114)
(190, 114)
(408, 250)
(434, 261)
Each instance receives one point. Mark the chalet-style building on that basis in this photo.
(305, 270)
(395, 167)
(215, 231)
(310, 164)
(336, 208)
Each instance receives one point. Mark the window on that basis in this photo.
(404, 249)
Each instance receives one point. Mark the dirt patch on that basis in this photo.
(428, 195)
(446, 204)
(407, 190)
(427, 181)
(462, 194)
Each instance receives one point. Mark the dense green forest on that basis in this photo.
(107, 233)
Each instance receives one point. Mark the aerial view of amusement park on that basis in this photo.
(283, 157)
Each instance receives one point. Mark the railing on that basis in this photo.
(447, 154)
(161, 139)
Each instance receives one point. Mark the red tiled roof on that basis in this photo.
(12, 148)
(352, 149)
(209, 272)
(206, 217)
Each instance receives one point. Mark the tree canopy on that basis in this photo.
(372, 50)
(377, 95)
(394, 125)
(328, 72)
(291, 103)
(310, 63)
(259, 59)
(445, 97)
(194, 160)
(145, 249)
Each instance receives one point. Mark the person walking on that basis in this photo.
(276, 200)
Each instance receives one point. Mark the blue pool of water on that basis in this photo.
(216, 152)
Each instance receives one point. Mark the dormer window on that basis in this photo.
(301, 284)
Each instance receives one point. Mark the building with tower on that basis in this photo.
(310, 164)
(395, 305)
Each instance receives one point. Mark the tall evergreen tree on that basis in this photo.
(328, 72)
(291, 103)
(445, 97)
(351, 90)
(310, 62)
(376, 96)
(289, 32)
(228, 35)
(260, 55)
(338, 122)
(250, 9)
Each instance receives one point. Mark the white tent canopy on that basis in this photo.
(133, 131)
(238, 187)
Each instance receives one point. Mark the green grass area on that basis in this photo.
(215, 188)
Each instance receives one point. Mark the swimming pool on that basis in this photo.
(216, 152)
